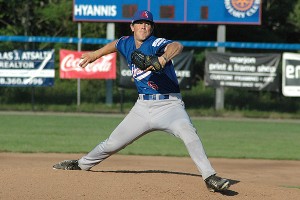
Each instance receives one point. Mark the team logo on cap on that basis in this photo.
(145, 14)
(242, 8)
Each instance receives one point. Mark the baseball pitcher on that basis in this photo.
(159, 105)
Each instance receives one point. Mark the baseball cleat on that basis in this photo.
(217, 184)
(67, 165)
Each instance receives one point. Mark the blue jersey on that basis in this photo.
(150, 82)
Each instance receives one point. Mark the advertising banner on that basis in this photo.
(291, 74)
(102, 68)
(27, 68)
(183, 64)
(249, 71)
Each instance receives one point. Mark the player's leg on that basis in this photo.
(133, 126)
(183, 128)
(171, 116)
(176, 121)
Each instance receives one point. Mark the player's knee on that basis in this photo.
(183, 125)
(112, 147)
(185, 130)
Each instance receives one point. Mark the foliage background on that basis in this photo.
(280, 24)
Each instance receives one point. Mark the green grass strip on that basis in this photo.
(79, 133)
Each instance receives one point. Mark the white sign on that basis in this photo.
(291, 74)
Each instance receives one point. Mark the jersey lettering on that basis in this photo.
(139, 74)
(158, 42)
(152, 85)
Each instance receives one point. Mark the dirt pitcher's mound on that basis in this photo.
(30, 176)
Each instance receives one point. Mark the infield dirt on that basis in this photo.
(30, 176)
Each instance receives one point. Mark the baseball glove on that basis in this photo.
(143, 62)
(154, 62)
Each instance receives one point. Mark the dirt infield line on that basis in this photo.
(30, 176)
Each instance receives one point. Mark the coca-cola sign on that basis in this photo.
(102, 68)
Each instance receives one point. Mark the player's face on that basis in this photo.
(141, 30)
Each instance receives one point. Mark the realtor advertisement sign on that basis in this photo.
(249, 71)
(102, 68)
(27, 68)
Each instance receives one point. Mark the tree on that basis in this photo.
(43, 18)
(294, 19)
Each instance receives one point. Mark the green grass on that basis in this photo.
(288, 186)
(251, 138)
(79, 133)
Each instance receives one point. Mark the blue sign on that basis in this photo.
(27, 68)
(171, 11)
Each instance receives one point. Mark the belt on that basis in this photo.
(159, 96)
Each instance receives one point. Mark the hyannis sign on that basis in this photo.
(175, 11)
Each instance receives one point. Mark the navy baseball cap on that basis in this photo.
(142, 15)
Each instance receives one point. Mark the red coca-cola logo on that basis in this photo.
(71, 63)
